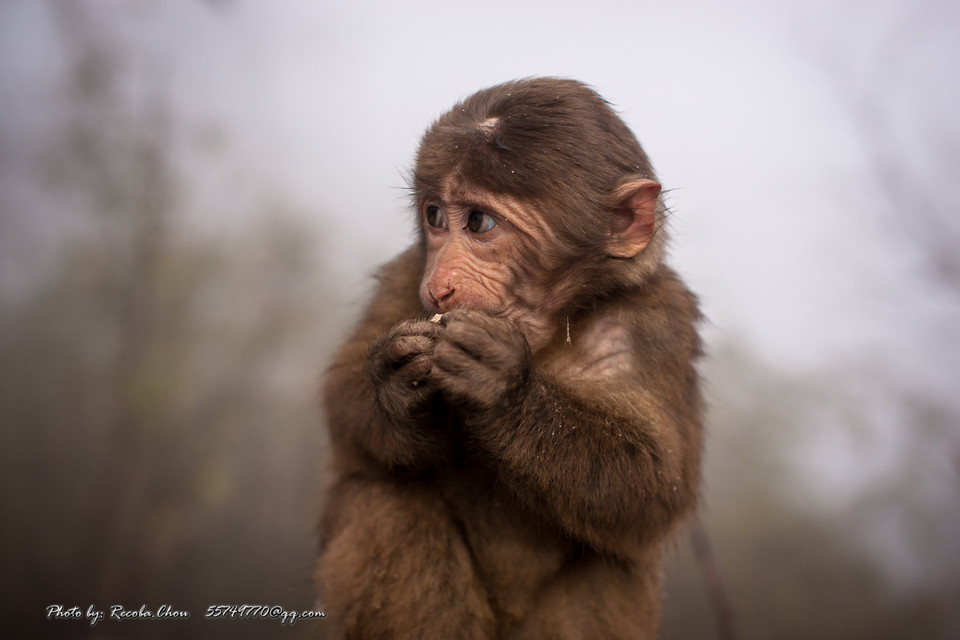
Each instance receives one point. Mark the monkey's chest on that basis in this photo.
(513, 554)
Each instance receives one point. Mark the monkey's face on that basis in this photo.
(483, 254)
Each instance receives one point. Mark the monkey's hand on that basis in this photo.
(480, 361)
(399, 366)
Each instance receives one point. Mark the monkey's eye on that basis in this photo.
(480, 222)
(433, 217)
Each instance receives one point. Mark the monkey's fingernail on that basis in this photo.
(437, 317)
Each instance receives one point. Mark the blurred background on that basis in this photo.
(193, 196)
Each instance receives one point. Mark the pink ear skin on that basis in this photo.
(634, 218)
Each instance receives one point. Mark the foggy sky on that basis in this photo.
(747, 109)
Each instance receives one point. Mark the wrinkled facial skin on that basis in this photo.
(475, 242)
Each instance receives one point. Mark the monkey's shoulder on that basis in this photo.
(625, 333)
(662, 308)
(661, 302)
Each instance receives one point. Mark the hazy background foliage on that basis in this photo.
(176, 267)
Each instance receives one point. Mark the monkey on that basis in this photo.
(515, 420)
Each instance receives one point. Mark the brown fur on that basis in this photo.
(486, 484)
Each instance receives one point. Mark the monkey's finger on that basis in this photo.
(462, 315)
(406, 347)
(451, 385)
(464, 340)
(457, 371)
(423, 328)
(474, 384)
(495, 328)
(453, 360)
(416, 370)
(399, 351)
(495, 345)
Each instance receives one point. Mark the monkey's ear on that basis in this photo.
(634, 218)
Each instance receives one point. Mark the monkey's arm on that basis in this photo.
(377, 398)
(616, 471)
(612, 459)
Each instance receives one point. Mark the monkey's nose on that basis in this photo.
(443, 298)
